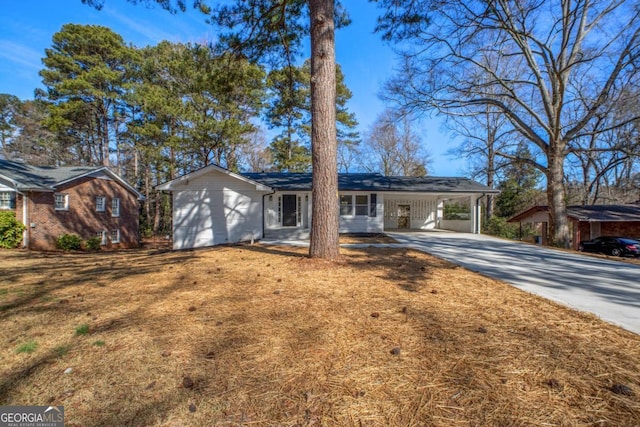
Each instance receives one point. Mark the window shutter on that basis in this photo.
(12, 201)
(373, 204)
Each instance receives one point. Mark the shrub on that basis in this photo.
(498, 226)
(69, 242)
(93, 244)
(146, 232)
(10, 230)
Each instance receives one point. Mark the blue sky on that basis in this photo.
(27, 26)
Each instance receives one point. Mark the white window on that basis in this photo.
(115, 207)
(62, 202)
(100, 203)
(362, 205)
(351, 205)
(103, 237)
(115, 236)
(346, 204)
(7, 200)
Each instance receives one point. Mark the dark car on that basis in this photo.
(616, 246)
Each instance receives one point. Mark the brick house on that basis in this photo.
(588, 222)
(87, 201)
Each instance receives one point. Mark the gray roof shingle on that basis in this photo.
(608, 213)
(44, 178)
(372, 182)
(592, 213)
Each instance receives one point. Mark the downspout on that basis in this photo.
(25, 220)
(478, 216)
(264, 216)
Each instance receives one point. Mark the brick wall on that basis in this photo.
(622, 229)
(619, 229)
(82, 218)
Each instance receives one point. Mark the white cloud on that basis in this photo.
(151, 33)
(21, 54)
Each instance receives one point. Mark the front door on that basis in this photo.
(289, 210)
(404, 216)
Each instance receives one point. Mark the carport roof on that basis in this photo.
(373, 182)
(593, 213)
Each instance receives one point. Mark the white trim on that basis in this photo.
(103, 237)
(171, 185)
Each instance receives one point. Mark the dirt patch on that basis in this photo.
(262, 335)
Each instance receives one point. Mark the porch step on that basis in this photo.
(287, 234)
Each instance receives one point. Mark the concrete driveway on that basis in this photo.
(608, 288)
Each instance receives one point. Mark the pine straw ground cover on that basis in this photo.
(258, 335)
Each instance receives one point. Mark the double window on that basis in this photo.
(61, 201)
(358, 205)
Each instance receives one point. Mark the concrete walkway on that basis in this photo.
(608, 288)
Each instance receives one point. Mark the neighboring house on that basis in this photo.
(214, 205)
(87, 201)
(588, 222)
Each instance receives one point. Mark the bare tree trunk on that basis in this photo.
(158, 212)
(491, 167)
(147, 193)
(325, 219)
(558, 225)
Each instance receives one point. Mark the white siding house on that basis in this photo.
(214, 206)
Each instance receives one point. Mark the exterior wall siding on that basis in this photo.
(423, 211)
(364, 223)
(46, 224)
(216, 209)
(348, 223)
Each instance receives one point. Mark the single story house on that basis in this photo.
(81, 200)
(213, 205)
(588, 222)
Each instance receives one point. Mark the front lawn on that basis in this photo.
(261, 335)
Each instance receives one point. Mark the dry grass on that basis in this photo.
(256, 335)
